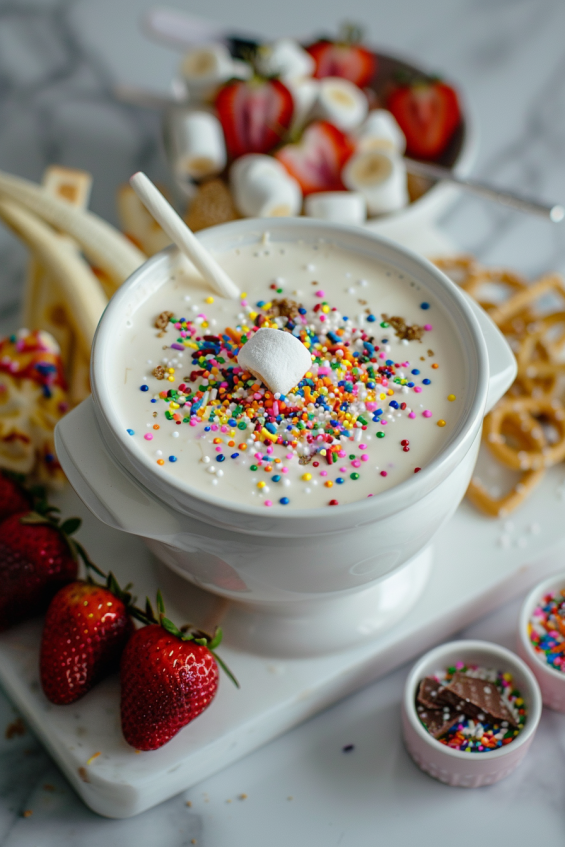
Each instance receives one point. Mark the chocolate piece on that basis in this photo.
(162, 320)
(428, 693)
(479, 699)
(437, 721)
(285, 308)
(403, 330)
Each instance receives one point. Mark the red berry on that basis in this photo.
(428, 114)
(349, 61)
(166, 683)
(317, 161)
(35, 562)
(255, 115)
(85, 632)
(13, 498)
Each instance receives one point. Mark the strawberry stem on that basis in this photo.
(185, 633)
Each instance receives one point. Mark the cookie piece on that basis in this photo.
(212, 204)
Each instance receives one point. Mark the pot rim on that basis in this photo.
(361, 511)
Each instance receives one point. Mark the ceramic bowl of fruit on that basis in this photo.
(325, 129)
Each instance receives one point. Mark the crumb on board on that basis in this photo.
(16, 727)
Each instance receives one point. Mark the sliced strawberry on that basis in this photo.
(350, 61)
(428, 114)
(317, 160)
(255, 115)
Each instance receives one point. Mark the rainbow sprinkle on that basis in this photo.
(352, 387)
(546, 629)
(474, 736)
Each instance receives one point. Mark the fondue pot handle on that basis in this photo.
(103, 486)
(501, 362)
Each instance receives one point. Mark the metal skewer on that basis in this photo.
(554, 211)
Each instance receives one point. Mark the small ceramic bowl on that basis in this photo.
(457, 767)
(551, 681)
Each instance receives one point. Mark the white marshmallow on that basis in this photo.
(262, 188)
(341, 103)
(253, 164)
(197, 143)
(205, 67)
(380, 131)
(380, 177)
(286, 59)
(275, 357)
(304, 95)
(348, 207)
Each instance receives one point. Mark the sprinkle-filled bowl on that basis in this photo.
(474, 767)
(539, 606)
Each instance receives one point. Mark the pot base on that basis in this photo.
(310, 627)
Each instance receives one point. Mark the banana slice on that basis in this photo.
(380, 177)
(380, 131)
(196, 143)
(286, 59)
(348, 207)
(341, 103)
(205, 67)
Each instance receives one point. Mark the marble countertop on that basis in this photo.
(59, 60)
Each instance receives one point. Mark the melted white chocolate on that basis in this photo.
(245, 461)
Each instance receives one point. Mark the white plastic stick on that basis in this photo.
(182, 236)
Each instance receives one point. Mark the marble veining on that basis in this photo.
(59, 60)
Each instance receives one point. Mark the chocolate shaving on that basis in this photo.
(305, 460)
(159, 372)
(162, 320)
(436, 721)
(479, 699)
(410, 332)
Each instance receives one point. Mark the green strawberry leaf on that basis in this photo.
(160, 603)
(149, 610)
(218, 635)
(71, 525)
(225, 668)
(170, 626)
(34, 518)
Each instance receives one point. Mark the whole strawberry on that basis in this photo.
(37, 557)
(86, 629)
(168, 678)
(13, 496)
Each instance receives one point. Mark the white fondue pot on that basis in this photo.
(297, 582)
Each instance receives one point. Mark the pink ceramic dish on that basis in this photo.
(457, 767)
(551, 681)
